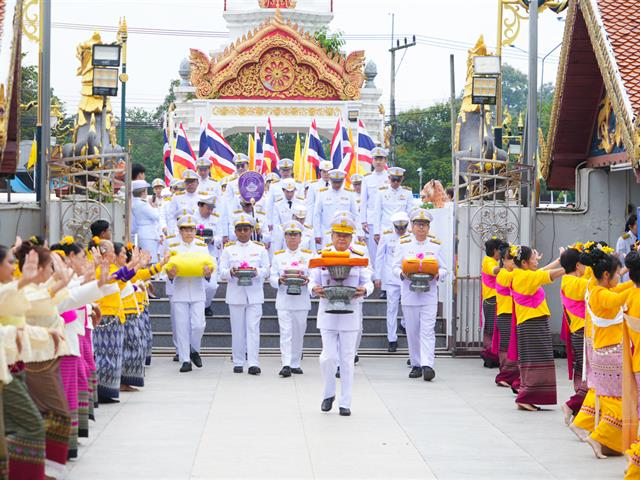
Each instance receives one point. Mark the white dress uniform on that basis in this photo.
(385, 256)
(274, 196)
(180, 202)
(340, 331)
(293, 310)
(208, 187)
(329, 202)
(420, 308)
(148, 226)
(371, 184)
(187, 300)
(282, 213)
(312, 194)
(307, 242)
(245, 303)
(623, 246)
(389, 201)
(260, 218)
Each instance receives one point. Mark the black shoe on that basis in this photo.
(285, 372)
(254, 371)
(402, 329)
(416, 372)
(237, 369)
(338, 373)
(428, 374)
(208, 312)
(297, 371)
(393, 347)
(176, 358)
(186, 367)
(408, 362)
(195, 358)
(345, 412)
(108, 400)
(356, 359)
(383, 294)
(147, 361)
(327, 404)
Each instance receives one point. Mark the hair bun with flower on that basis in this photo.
(95, 240)
(129, 246)
(514, 251)
(59, 252)
(579, 246)
(605, 249)
(68, 240)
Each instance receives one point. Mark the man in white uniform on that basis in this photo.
(188, 297)
(626, 241)
(187, 200)
(340, 331)
(370, 186)
(330, 201)
(245, 303)
(420, 308)
(208, 221)
(147, 219)
(391, 198)
(292, 309)
(206, 184)
(384, 276)
(283, 208)
(314, 187)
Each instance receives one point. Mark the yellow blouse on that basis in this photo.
(575, 289)
(488, 266)
(145, 274)
(111, 304)
(606, 303)
(527, 282)
(504, 302)
(632, 309)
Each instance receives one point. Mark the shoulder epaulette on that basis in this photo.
(357, 252)
(170, 236)
(307, 226)
(626, 235)
(305, 250)
(199, 237)
(436, 241)
(260, 211)
(275, 181)
(406, 240)
(237, 211)
(406, 235)
(201, 244)
(258, 243)
(174, 244)
(360, 243)
(328, 244)
(179, 192)
(323, 189)
(216, 214)
(228, 244)
(300, 197)
(387, 231)
(278, 252)
(278, 199)
(383, 187)
(367, 174)
(314, 181)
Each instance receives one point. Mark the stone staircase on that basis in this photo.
(217, 336)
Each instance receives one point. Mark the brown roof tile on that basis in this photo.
(621, 19)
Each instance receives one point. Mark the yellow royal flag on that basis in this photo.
(252, 153)
(309, 173)
(33, 155)
(298, 166)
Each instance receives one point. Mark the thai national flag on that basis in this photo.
(202, 147)
(336, 145)
(365, 144)
(183, 157)
(271, 155)
(316, 151)
(166, 159)
(220, 153)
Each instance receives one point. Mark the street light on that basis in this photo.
(105, 59)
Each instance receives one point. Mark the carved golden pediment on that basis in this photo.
(277, 61)
(277, 3)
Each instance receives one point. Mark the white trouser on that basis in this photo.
(172, 313)
(151, 246)
(393, 304)
(293, 326)
(372, 246)
(338, 348)
(209, 293)
(420, 322)
(245, 334)
(189, 327)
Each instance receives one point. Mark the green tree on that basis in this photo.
(331, 42)
(169, 98)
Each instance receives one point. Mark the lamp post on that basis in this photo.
(106, 62)
(122, 39)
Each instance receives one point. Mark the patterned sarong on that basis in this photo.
(108, 340)
(69, 372)
(579, 386)
(133, 353)
(606, 367)
(24, 429)
(537, 369)
(145, 323)
(509, 370)
(45, 387)
(489, 316)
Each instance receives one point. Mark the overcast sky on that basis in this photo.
(423, 77)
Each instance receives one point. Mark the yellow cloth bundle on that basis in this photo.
(191, 264)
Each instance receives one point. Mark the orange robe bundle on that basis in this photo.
(337, 259)
(420, 265)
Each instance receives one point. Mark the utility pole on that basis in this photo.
(532, 114)
(392, 95)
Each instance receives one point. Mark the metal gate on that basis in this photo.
(490, 199)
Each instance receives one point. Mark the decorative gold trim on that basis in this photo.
(344, 75)
(31, 20)
(247, 111)
(545, 167)
(277, 3)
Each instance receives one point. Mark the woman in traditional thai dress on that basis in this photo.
(604, 304)
(572, 292)
(490, 268)
(631, 368)
(509, 375)
(535, 347)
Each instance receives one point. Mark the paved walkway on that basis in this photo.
(216, 424)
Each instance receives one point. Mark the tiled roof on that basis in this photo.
(621, 19)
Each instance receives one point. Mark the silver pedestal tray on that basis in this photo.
(339, 297)
(339, 273)
(293, 281)
(245, 276)
(420, 282)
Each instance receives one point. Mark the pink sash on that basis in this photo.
(488, 280)
(530, 301)
(578, 309)
(504, 291)
(69, 316)
(495, 340)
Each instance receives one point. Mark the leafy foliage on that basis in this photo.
(331, 42)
